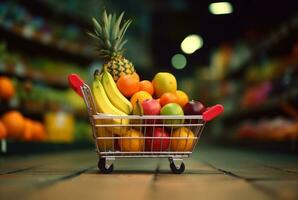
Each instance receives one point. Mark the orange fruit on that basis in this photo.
(27, 136)
(128, 84)
(3, 131)
(132, 144)
(147, 86)
(164, 82)
(182, 98)
(7, 89)
(14, 123)
(184, 144)
(38, 132)
(141, 96)
(104, 144)
(168, 97)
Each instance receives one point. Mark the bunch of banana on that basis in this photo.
(105, 106)
(114, 95)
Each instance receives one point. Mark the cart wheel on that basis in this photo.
(176, 170)
(103, 168)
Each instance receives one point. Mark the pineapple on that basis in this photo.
(109, 34)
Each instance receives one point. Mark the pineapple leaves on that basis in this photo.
(97, 27)
(106, 25)
(124, 28)
(113, 21)
(109, 21)
(122, 31)
(104, 53)
(117, 26)
(109, 34)
(122, 44)
(92, 35)
(101, 43)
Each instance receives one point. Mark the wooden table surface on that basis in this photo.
(211, 173)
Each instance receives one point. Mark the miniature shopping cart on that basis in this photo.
(111, 145)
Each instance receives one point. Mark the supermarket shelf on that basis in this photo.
(278, 40)
(42, 8)
(272, 107)
(44, 42)
(34, 75)
(21, 148)
(38, 111)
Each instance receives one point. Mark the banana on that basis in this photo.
(105, 106)
(137, 110)
(114, 95)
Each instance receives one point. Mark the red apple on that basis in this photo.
(194, 108)
(151, 107)
(159, 144)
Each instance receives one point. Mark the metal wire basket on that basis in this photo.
(148, 136)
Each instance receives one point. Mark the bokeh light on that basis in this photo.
(191, 43)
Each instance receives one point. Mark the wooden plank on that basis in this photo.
(135, 179)
(203, 186)
(49, 170)
(131, 180)
(146, 186)
(252, 165)
(75, 175)
(280, 189)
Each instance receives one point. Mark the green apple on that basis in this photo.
(172, 109)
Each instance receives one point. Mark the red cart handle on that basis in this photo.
(212, 112)
(76, 83)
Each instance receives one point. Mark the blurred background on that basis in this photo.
(242, 54)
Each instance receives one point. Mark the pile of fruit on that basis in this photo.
(268, 130)
(15, 126)
(160, 97)
(118, 90)
(12, 123)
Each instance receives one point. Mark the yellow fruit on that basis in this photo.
(132, 144)
(114, 95)
(141, 96)
(59, 126)
(164, 82)
(182, 144)
(105, 106)
(182, 98)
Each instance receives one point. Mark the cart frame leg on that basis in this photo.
(109, 161)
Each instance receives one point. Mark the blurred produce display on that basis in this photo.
(19, 20)
(258, 86)
(37, 52)
(39, 69)
(267, 130)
